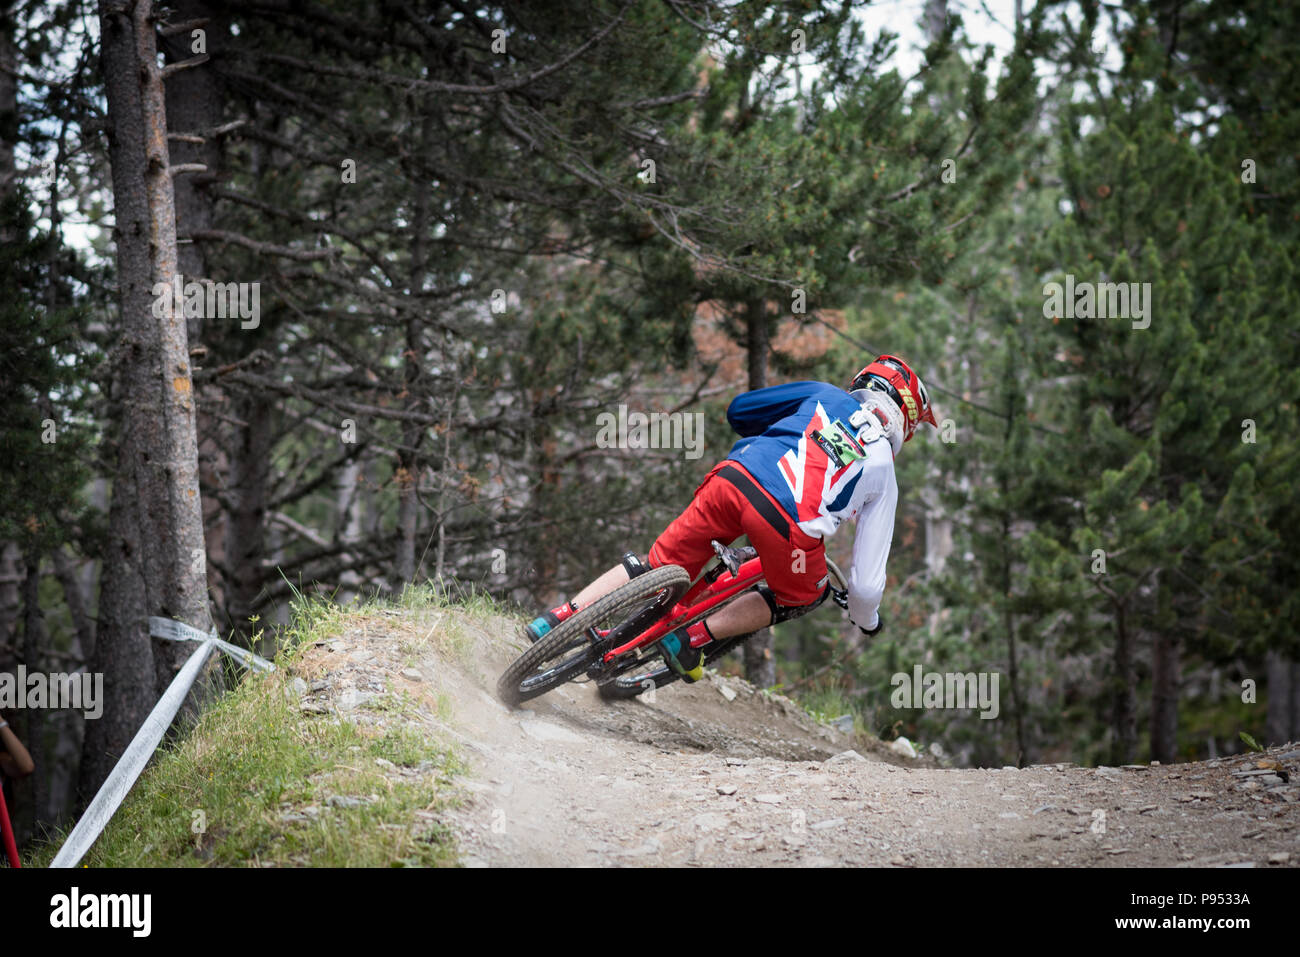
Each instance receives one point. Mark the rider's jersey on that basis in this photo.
(825, 462)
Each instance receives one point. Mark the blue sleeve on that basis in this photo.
(750, 413)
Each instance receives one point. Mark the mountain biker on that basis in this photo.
(810, 456)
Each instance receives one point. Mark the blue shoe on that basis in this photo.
(541, 626)
(688, 662)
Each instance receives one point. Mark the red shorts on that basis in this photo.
(794, 564)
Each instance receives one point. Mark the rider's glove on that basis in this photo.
(871, 633)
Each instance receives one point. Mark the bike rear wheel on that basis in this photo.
(653, 672)
(578, 642)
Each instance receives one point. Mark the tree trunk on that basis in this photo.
(8, 99)
(195, 104)
(347, 507)
(61, 781)
(1280, 723)
(11, 574)
(194, 108)
(83, 627)
(444, 470)
(11, 577)
(31, 810)
(936, 18)
(408, 459)
(245, 546)
(760, 662)
(1124, 720)
(408, 478)
(1013, 660)
(1295, 702)
(1166, 675)
(155, 562)
(756, 342)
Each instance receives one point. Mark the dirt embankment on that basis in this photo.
(717, 774)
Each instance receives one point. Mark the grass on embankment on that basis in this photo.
(258, 782)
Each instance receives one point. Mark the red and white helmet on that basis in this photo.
(894, 377)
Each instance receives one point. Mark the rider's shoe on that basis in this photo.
(681, 650)
(539, 627)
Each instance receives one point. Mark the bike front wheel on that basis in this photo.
(578, 642)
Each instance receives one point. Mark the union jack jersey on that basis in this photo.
(825, 459)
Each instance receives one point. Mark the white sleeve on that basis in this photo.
(871, 548)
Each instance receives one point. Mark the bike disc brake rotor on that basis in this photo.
(642, 617)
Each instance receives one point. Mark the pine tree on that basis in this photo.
(1159, 393)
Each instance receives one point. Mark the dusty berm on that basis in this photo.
(719, 774)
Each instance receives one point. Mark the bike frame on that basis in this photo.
(721, 589)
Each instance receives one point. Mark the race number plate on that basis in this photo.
(839, 444)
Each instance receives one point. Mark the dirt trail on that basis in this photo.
(716, 774)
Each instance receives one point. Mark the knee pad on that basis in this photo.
(634, 566)
(782, 613)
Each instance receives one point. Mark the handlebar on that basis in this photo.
(839, 584)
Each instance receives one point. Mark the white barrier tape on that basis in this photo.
(132, 762)
(244, 656)
(179, 631)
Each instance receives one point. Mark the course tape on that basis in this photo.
(179, 631)
(132, 762)
(142, 746)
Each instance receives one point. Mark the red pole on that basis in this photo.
(7, 833)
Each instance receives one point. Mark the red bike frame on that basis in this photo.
(716, 592)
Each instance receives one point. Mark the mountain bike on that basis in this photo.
(613, 640)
